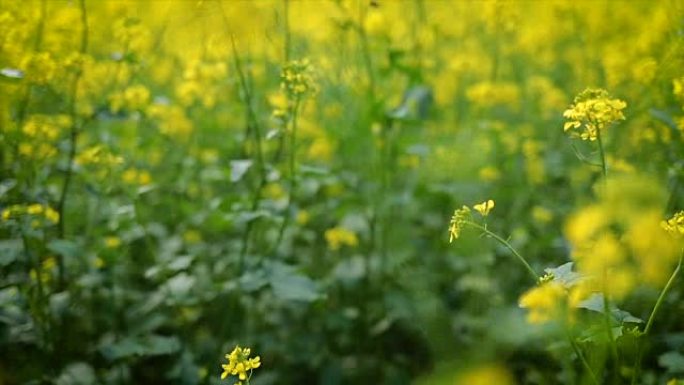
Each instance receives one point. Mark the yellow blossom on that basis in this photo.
(239, 364)
(594, 110)
(457, 222)
(490, 374)
(674, 225)
(339, 236)
(112, 242)
(542, 302)
(484, 208)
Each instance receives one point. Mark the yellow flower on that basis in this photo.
(595, 110)
(674, 225)
(303, 217)
(339, 236)
(297, 78)
(51, 214)
(489, 174)
(542, 302)
(239, 364)
(112, 242)
(484, 208)
(487, 94)
(457, 222)
(541, 214)
(192, 237)
(486, 375)
(35, 209)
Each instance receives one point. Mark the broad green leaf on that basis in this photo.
(564, 274)
(10, 250)
(78, 373)
(295, 288)
(672, 361)
(150, 345)
(65, 247)
(238, 169)
(289, 285)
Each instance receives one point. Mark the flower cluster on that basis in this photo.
(36, 210)
(98, 155)
(620, 242)
(457, 222)
(484, 208)
(240, 365)
(339, 236)
(594, 110)
(297, 78)
(552, 300)
(674, 225)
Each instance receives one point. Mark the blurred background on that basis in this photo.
(180, 177)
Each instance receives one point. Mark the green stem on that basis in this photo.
(286, 26)
(252, 122)
(663, 293)
(584, 361)
(508, 246)
(604, 165)
(609, 327)
(649, 323)
(73, 137)
(293, 172)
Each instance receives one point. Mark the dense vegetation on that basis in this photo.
(341, 192)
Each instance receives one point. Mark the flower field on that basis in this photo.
(338, 192)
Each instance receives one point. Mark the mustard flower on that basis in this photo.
(297, 77)
(594, 110)
(542, 302)
(674, 225)
(240, 365)
(339, 236)
(484, 208)
(35, 210)
(458, 221)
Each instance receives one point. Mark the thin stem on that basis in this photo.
(366, 53)
(582, 157)
(604, 165)
(662, 295)
(292, 173)
(286, 26)
(584, 361)
(520, 258)
(73, 137)
(649, 323)
(608, 325)
(252, 121)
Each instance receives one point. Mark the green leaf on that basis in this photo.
(672, 361)
(593, 303)
(295, 288)
(664, 117)
(564, 275)
(624, 316)
(289, 285)
(11, 74)
(78, 373)
(66, 248)
(238, 169)
(180, 285)
(10, 250)
(150, 345)
(7, 185)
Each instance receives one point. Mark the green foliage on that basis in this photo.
(178, 178)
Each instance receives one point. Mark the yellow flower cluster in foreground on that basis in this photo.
(240, 365)
(594, 110)
(35, 210)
